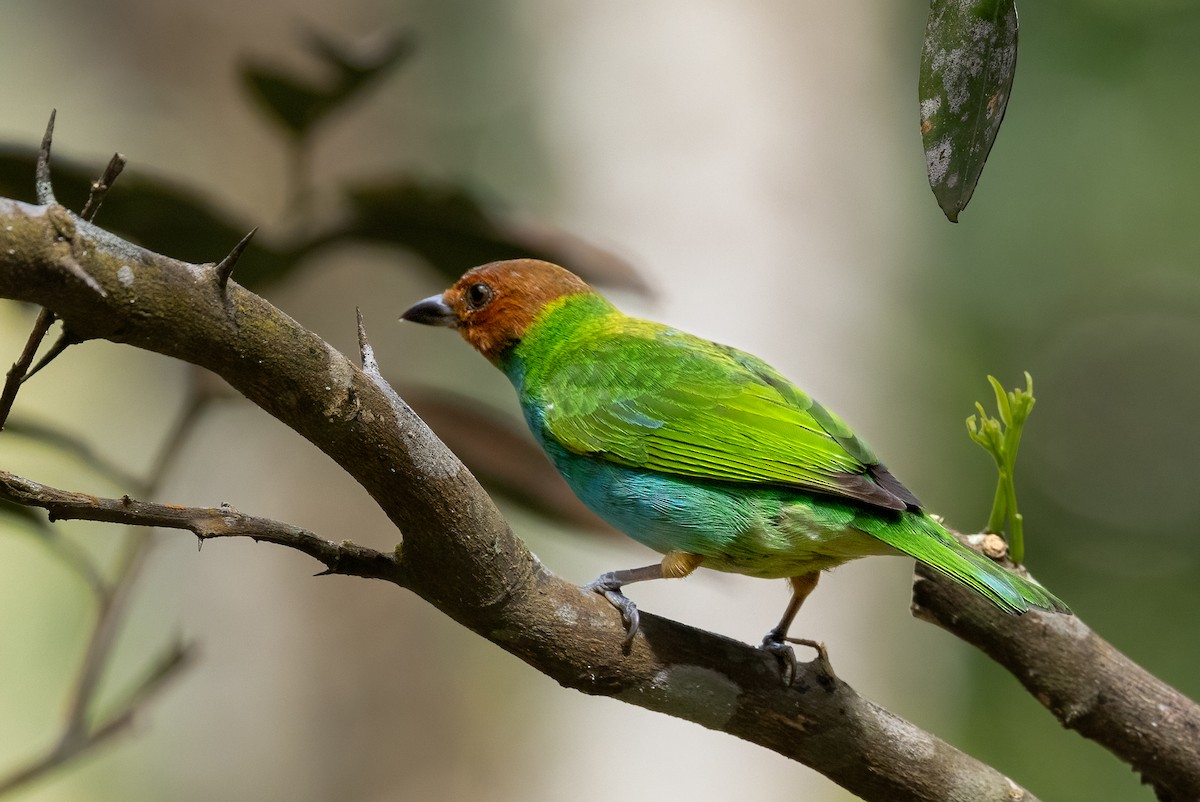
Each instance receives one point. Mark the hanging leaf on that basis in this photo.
(967, 67)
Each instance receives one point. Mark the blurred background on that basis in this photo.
(759, 166)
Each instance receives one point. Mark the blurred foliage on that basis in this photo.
(452, 231)
(149, 211)
(445, 225)
(967, 66)
(449, 228)
(299, 104)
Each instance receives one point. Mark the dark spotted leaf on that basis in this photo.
(967, 67)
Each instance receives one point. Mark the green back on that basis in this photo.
(648, 396)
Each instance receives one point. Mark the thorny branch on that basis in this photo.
(80, 733)
(204, 522)
(1087, 684)
(457, 551)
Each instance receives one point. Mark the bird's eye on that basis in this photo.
(479, 296)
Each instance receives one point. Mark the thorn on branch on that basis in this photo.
(64, 341)
(101, 186)
(64, 223)
(224, 268)
(365, 351)
(77, 270)
(42, 184)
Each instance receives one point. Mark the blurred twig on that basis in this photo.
(113, 723)
(16, 374)
(77, 448)
(103, 636)
(68, 551)
(79, 732)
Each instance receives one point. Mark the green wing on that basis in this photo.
(652, 397)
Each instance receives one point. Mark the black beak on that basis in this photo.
(433, 311)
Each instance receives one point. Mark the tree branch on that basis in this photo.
(204, 522)
(1083, 680)
(695, 675)
(457, 552)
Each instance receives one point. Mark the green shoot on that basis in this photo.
(1000, 438)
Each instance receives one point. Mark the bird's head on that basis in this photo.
(493, 305)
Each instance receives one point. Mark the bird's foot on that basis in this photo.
(609, 586)
(777, 644)
(774, 644)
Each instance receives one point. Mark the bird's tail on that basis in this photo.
(920, 536)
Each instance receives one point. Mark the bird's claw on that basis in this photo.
(822, 654)
(777, 644)
(608, 587)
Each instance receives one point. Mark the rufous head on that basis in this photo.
(493, 305)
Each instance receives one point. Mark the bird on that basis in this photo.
(700, 451)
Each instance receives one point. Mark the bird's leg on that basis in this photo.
(775, 641)
(675, 565)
